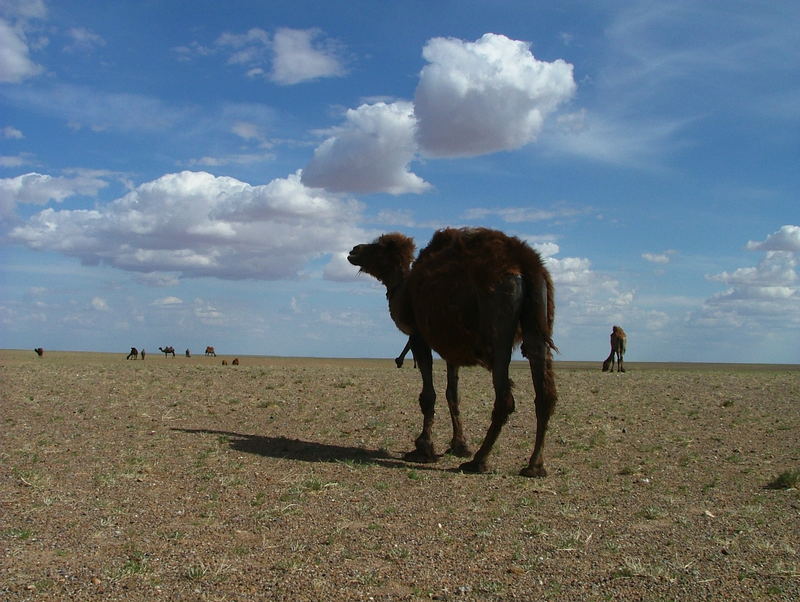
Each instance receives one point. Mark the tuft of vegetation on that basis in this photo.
(788, 479)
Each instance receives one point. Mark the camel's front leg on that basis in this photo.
(424, 451)
(458, 444)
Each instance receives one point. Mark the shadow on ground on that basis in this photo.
(305, 451)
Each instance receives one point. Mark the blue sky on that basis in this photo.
(193, 174)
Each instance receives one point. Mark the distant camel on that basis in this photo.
(619, 341)
(400, 358)
(188, 353)
(235, 361)
(39, 351)
(167, 350)
(471, 295)
(210, 351)
(224, 362)
(133, 354)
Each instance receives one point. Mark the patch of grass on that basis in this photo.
(196, 572)
(788, 479)
(414, 475)
(136, 564)
(22, 533)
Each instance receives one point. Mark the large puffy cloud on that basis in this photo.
(485, 96)
(196, 224)
(472, 98)
(369, 153)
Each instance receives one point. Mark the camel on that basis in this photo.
(133, 354)
(619, 341)
(235, 361)
(224, 362)
(167, 350)
(39, 351)
(401, 358)
(188, 353)
(471, 295)
(210, 351)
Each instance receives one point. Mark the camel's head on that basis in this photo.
(387, 256)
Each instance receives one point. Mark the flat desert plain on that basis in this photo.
(280, 478)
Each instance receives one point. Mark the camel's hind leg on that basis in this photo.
(423, 451)
(505, 310)
(537, 350)
(458, 444)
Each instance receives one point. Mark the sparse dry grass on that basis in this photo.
(282, 478)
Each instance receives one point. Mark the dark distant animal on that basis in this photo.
(167, 350)
(401, 358)
(619, 343)
(142, 353)
(133, 354)
(471, 296)
(210, 351)
(188, 353)
(224, 362)
(235, 361)
(39, 351)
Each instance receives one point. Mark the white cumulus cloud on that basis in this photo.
(299, 56)
(370, 152)
(40, 189)
(196, 224)
(765, 294)
(485, 96)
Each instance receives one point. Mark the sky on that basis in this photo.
(194, 173)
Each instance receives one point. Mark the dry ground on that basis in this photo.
(282, 479)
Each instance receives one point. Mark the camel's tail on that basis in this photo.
(544, 316)
(551, 311)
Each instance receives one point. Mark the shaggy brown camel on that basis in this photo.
(167, 350)
(133, 354)
(39, 351)
(401, 358)
(471, 295)
(619, 341)
(235, 361)
(210, 351)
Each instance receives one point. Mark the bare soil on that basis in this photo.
(283, 479)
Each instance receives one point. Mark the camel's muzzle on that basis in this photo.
(353, 256)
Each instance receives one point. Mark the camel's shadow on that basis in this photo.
(303, 451)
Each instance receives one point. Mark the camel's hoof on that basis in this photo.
(533, 471)
(399, 362)
(420, 457)
(473, 467)
(460, 450)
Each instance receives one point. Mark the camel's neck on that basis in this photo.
(398, 307)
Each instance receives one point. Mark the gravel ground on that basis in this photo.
(282, 479)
